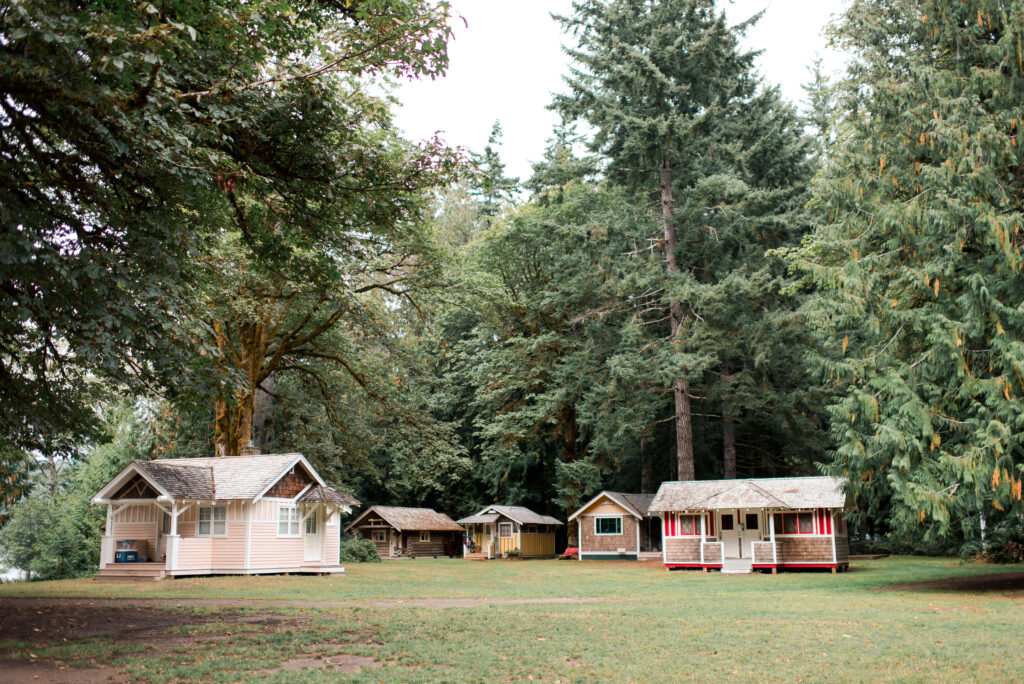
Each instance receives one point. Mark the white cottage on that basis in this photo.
(754, 524)
(248, 514)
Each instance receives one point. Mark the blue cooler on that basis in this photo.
(126, 556)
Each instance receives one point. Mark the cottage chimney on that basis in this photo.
(249, 450)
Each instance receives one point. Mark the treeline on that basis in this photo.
(708, 283)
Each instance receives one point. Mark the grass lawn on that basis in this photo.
(645, 624)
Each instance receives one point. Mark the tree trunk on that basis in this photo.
(729, 449)
(233, 421)
(646, 470)
(681, 390)
(728, 434)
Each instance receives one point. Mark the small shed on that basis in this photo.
(617, 526)
(499, 530)
(754, 524)
(408, 532)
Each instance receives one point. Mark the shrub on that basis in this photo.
(358, 550)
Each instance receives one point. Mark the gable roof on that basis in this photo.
(519, 514)
(215, 479)
(774, 492)
(635, 504)
(410, 519)
(322, 494)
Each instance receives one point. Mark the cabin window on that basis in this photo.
(688, 525)
(287, 520)
(165, 523)
(726, 521)
(505, 530)
(212, 521)
(794, 523)
(424, 536)
(378, 536)
(532, 529)
(607, 525)
(752, 521)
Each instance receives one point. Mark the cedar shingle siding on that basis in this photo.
(590, 541)
(812, 550)
(289, 486)
(682, 550)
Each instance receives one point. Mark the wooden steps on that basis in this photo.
(476, 556)
(132, 572)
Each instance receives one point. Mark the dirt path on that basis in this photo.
(7, 602)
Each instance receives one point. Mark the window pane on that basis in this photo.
(727, 521)
(220, 513)
(806, 523)
(778, 523)
(608, 525)
(686, 524)
(789, 523)
(294, 527)
(752, 521)
(204, 527)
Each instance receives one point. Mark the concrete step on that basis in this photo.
(737, 566)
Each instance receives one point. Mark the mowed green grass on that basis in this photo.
(650, 624)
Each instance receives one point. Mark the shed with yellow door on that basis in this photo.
(497, 531)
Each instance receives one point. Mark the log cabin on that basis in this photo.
(408, 532)
(754, 524)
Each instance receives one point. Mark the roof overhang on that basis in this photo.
(611, 496)
(102, 497)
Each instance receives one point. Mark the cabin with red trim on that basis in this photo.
(617, 526)
(738, 526)
(238, 515)
(399, 532)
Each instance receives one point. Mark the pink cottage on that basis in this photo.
(242, 515)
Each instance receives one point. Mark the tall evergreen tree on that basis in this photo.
(679, 116)
(918, 251)
(495, 190)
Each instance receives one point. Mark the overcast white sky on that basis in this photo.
(506, 60)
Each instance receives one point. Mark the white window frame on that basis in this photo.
(291, 521)
(617, 518)
(424, 535)
(504, 526)
(216, 517)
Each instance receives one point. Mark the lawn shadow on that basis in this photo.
(1004, 582)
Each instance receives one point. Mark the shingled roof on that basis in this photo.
(179, 481)
(776, 492)
(226, 478)
(321, 494)
(410, 519)
(636, 504)
(519, 514)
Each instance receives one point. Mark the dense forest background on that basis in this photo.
(209, 240)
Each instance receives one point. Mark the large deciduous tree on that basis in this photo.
(918, 254)
(131, 135)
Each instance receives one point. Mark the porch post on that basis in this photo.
(771, 532)
(107, 542)
(173, 539)
(833, 536)
(703, 537)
